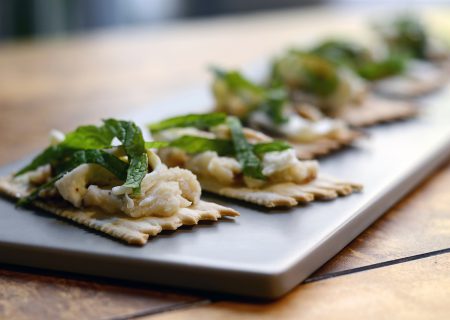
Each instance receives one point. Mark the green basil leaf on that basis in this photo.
(33, 195)
(276, 101)
(342, 52)
(360, 60)
(89, 137)
(236, 81)
(406, 34)
(251, 165)
(48, 156)
(77, 158)
(199, 121)
(299, 70)
(134, 145)
(156, 144)
(137, 170)
(272, 146)
(395, 64)
(193, 145)
(129, 134)
(100, 157)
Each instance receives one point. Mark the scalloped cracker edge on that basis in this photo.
(407, 88)
(377, 110)
(309, 150)
(324, 146)
(286, 194)
(135, 231)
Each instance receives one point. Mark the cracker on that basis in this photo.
(313, 149)
(286, 194)
(324, 146)
(135, 231)
(376, 110)
(407, 88)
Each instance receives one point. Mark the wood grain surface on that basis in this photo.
(41, 296)
(402, 291)
(419, 224)
(61, 83)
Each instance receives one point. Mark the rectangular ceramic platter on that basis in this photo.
(262, 253)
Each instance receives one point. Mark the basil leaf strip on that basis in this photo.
(89, 137)
(156, 144)
(251, 165)
(100, 157)
(134, 145)
(193, 144)
(272, 146)
(32, 196)
(200, 121)
(276, 101)
(77, 158)
(237, 82)
(49, 156)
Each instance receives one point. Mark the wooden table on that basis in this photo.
(400, 266)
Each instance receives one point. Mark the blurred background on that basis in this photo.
(67, 62)
(43, 18)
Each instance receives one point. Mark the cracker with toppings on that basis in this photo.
(244, 164)
(376, 110)
(124, 191)
(420, 78)
(342, 77)
(427, 66)
(269, 110)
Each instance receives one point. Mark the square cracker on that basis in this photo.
(404, 87)
(309, 150)
(324, 146)
(376, 110)
(285, 194)
(135, 231)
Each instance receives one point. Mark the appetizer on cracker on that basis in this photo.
(427, 68)
(269, 110)
(242, 163)
(109, 179)
(334, 89)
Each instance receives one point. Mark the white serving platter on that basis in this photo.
(262, 253)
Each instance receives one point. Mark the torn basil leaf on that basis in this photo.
(156, 144)
(75, 158)
(299, 70)
(342, 52)
(100, 157)
(272, 146)
(274, 105)
(235, 81)
(48, 156)
(251, 165)
(405, 34)
(193, 145)
(200, 121)
(86, 144)
(376, 70)
(89, 137)
(134, 145)
(360, 60)
(33, 195)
